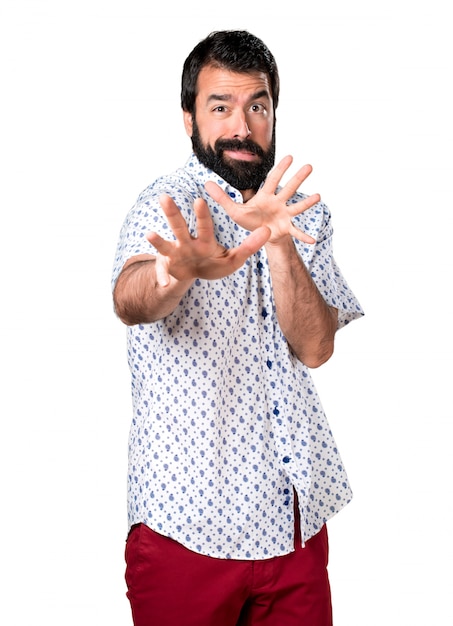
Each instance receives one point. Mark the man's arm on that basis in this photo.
(307, 322)
(139, 298)
(150, 287)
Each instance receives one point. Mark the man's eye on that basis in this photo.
(257, 108)
(220, 108)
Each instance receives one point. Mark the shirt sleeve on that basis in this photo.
(322, 266)
(145, 216)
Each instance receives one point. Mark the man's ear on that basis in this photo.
(188, 122)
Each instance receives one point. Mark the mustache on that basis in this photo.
(238, 144)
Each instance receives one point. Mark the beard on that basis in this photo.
(239, 174)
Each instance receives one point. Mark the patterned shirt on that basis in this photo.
(226, 420)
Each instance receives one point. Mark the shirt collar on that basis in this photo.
(204, 174)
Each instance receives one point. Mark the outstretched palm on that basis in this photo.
(267, 215)
(267, 208)
(190, 257)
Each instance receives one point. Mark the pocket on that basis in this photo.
(133, 557)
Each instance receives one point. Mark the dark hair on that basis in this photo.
(234, 50)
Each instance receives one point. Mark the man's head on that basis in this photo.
(230, 89)
(234, 50)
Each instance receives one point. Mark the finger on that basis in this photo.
(162, 245)
(299, 234)
(205, 226)
(251, 244)
(219, 195)
(275, 175)
(162, 275)
(233, 209)
(174, 218)
(299, 207)
(295, 182)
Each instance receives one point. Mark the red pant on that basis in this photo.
(169, 585)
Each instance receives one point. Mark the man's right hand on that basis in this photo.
(202, 256)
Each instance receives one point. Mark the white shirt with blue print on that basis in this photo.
(226, 420)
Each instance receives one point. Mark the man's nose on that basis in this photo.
(240, 129)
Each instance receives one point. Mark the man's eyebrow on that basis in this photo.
(263, 93)
(222, 98)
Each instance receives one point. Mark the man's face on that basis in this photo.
(233, 133)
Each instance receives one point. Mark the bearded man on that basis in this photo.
(228, 286)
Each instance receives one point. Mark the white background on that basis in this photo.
(89, 117)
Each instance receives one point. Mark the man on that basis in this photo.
(230, 292)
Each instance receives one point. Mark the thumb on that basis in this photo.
(162, 275)
(218, 194)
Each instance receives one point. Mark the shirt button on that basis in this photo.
(286, 459)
